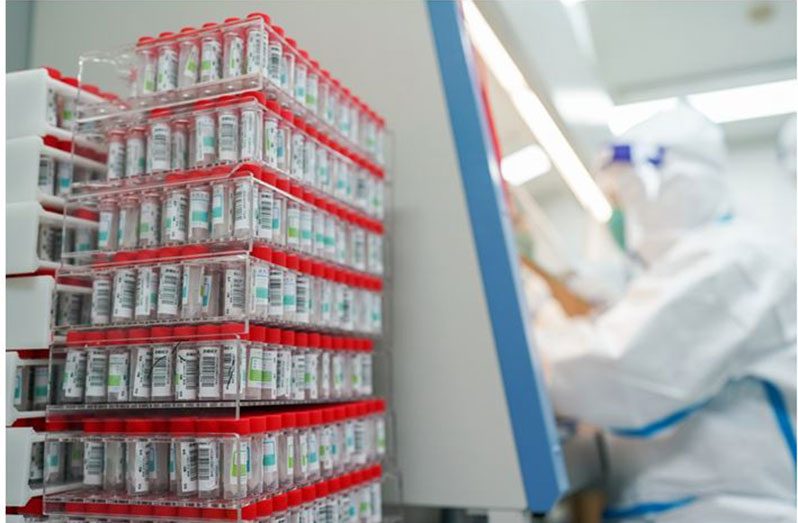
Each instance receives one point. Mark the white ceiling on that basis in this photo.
(673, 46)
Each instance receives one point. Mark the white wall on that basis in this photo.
(449, 397)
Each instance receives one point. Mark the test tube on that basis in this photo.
(124, 295)
(301, 448)
(270, 371)
(251, 140)
(306, 223)
(212, 292)
(159, 141)
(286, 450)
(113, 456)
(279, 211)
(254, 363)
(199, 213)
(326, 442)
(271, 139)
(118, 369)
(115, 165)
(270, 452)
(108, 224)
(191, 295)
(312, 97)
(314, 445)
(292, 219)
(175, 226)
(222, 210)
(284, 130)
(149, 226)
(186, 365)
(146, 68)
(169, 289)
(235, 458)
(260, 283)
(189, 58)
(209, 352)
(275, 55)
(203, 139)
(233, 49)
(234, 290)
(211, 49)
(276, 286)
(257, 429)
(96, 374)
(287, 66)
(163, 365)
(301, 78)
(234, 361)
(166, 79)
(182, 432)
(298, 149)
(298, 390)
(93, 457)
(228, 131)
(136, 151)
(208, 459)
(128, 233)
(140, 364)
(257, 45)
(137, 456)
(325, 367)
(243, 200)
(180, 143)
(41, 387)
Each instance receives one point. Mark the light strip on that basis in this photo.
(525, 164)
(535, 114)
(728, 105)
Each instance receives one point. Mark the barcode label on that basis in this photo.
(255, 368)
(313, 451)
(118, 371)
(149, 222)
(208, 466)
(243, 203)
(116, 160)
(298, 376)
(275, 55)
(74, 374)
(169, 290)
(289, 293)
(312, 375)
(162, 371)
(136, 157)
(93, 454)
(209, 372)
(250, 134)
(159, 146)
(325, 448)
(325, 374)
(199, 207)
(269, 372)
(265, 203)
(360, 441)
(101, 301)
(297, 155)
(186, 374)
(234, 292)
(303, 299)
(142, 378)
(292, 224)
(139, 468)
(228, 131)
(146, 292)
(175, 226)
(254, 50)
(188, 466)
(124, 294)
(276, 292)
(97, 365)
(269, 454)
(283, 373)
(261, 289)
(218, 209)
(205, 133)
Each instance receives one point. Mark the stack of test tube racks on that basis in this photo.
(232, 289)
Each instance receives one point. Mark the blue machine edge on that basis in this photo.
(539, 453)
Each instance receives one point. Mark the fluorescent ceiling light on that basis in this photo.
(535, 114)
(525, 164)
(728, 105)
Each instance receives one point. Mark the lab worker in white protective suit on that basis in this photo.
(692, 372)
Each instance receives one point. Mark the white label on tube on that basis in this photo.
(186, 374)
(162, 371)
(255, 368)
(175, 219)
(188, 466)
(199, 203)
(228, 134)
(208, 465)
(160, 146)
(124, 294)
(169, 290)
(284, 374)
(234, 292)
(250, 124)
(265, 203)
(269, 454)
(140, 467)
(232, 384)
(105, 230)
(269, 373)
(118, 372)
(93, 458)
(96, 368)
(209, 367)
(146, 292)
(243, 206)
(205, 138)
(143, 376)
(74, 373)
(136, 157)
(116, 160)
(149, 221)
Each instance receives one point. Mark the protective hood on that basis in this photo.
(668, 175)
